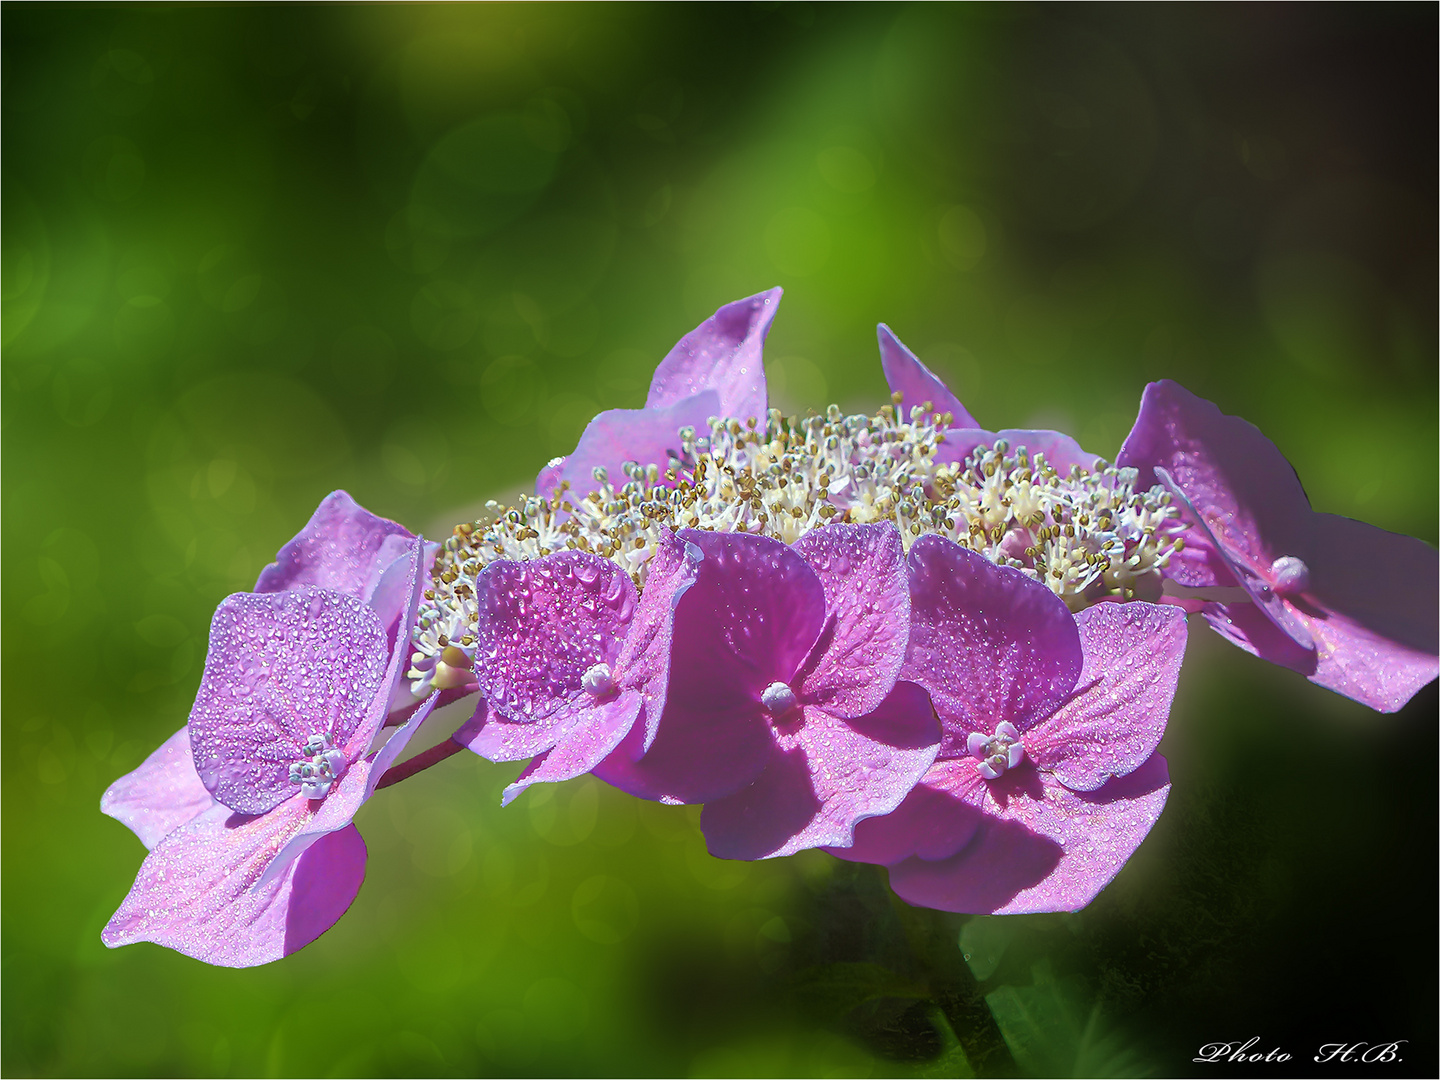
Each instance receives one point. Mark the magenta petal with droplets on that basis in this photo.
(1114, 721)
(867, 616)
(161, 795)
(543, 624)
(1361, 618)
(753, 614)
(724, 354)
(281, 667)
(199, 891)
(987, 642)
(544, 628)
(343, 548)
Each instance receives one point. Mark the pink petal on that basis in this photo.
(282, 666)
(590, 737)
(343, 548)
(754, 612)
(161, 795)
(1370, 608)
(987, 642)
(917, 383)
(1241, 485)
(647, 436)
(867, 612)
(722, 354)
(199, 892)
(644, 660)
(1040, 846)
(1122, 700)
(543, 624)
(824, 777)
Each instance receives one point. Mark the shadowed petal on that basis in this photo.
(987, 642)
(722, 354)
(826, 776)
(161, 795)
(644, 660)
(649, 436)
(199, 892)
(1122, 700)
(543, 625)
(932, 823)
(1040, 847)
(917, 384)
(282, 666)
(867, 612)
(343, 548)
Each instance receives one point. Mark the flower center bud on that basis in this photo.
(598, 681)
(779, 700)
(1290, 574)
(320, 768)
(999, 752)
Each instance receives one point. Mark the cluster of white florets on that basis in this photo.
(1087, 534)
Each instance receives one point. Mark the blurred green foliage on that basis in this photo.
(255, 253)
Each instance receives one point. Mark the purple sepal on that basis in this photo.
(199, 891)
(646, 436)
(723, 354)
(343, 548)
(916, 383)
(161, 795)
(1116, 717)
(987, 642)
(824, 777)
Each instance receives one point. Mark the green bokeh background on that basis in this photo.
(256, 253)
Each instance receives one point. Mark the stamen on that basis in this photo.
(779, 700)
(598, 681)
(321, 766)
(1000, 752)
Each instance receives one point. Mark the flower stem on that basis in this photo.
(419, 763)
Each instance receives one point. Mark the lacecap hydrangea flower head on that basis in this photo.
(894, 635)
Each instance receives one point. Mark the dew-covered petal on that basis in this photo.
(824, 777)
(867, 616)
(1369, 607)
(200, 890)
(915, 382)
(343, 548)
(591, 735)
(281, 667)
(1116, 718)
(543, 625)
(987, 642)
(1040, 847)
(723, 354)
(649, 436)
(161, 795)
(1241, 485)
(644, 660)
